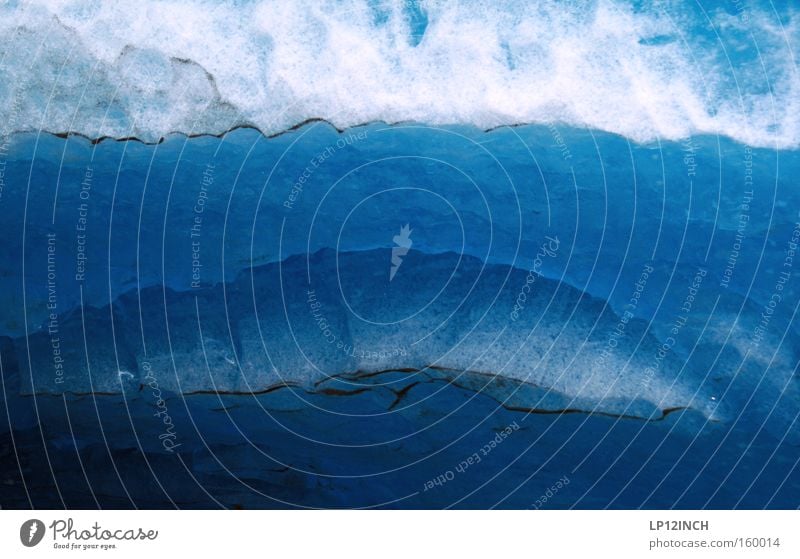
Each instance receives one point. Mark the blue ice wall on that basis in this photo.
(568, 280)
(494, 195)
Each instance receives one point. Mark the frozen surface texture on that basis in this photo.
(336, 318)
(148, 68)
(369, 253)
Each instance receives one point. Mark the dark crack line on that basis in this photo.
(402, 393)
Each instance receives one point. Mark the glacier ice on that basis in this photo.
(143, 70)
(231, 300)
(205, 217)
(387, 253)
